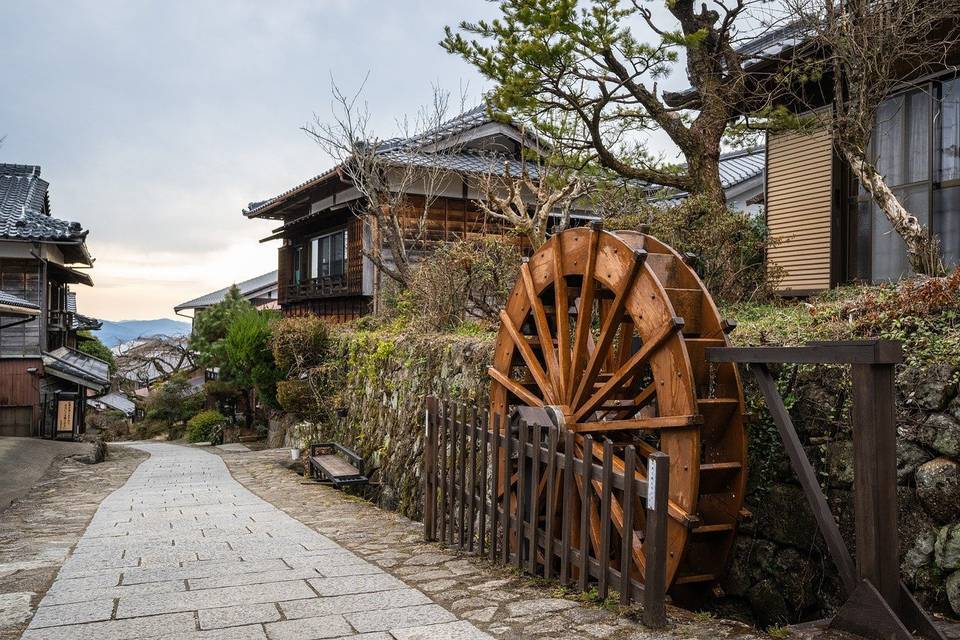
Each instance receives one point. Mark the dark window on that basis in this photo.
(916, 147)
(298, 265)
(327, 255)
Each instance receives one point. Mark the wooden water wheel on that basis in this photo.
(609, 330)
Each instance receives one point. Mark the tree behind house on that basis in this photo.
(871, 50)
(559, 61)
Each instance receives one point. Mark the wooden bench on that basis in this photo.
(336, 464)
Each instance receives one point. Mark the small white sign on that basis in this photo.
(652, 484)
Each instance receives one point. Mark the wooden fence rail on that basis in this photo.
(469, 503)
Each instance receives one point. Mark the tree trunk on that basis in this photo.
(704, 171)
(922, 246)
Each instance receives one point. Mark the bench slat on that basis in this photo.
(335, 466)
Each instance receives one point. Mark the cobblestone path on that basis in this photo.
(183, 551)
(496, 600)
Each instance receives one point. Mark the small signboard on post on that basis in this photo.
(65, 413)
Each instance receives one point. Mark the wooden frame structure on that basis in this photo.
(468, 457)
(879, 606)
(607, 331)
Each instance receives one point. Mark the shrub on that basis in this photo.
(206, 426)
(462, 280)
(109, 425)
(301, 349)
(299, 342)
(729, 246)
(172, 402)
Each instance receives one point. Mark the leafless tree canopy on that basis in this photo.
(870, 50)
(153, 359)
(385, 184)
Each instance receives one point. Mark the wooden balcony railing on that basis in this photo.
(323, 287)
(59, 320)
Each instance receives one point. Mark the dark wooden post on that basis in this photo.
(655, 544)
(430, 471)
(875, 478)
(878, 605)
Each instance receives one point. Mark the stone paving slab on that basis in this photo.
(147, 568)
(482, 599)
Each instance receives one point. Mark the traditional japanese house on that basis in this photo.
(44, 380)
(322, 266)
(826, 229)
(261, 291)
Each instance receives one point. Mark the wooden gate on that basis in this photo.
(465, 507)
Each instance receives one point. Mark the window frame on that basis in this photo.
(315, 265)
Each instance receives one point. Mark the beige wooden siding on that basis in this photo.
(799, 180)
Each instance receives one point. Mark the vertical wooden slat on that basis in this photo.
(585, 504)
(495, 482)
(505, 495)
(521, 492)
(604, 586)
(567, 506)
(452, 476)
(429, 471)
(534, 510)
(462, 514)
(484, 444)
(626, 547)
(442, 450)
(551, 502)
(472, 494)
(655, 543)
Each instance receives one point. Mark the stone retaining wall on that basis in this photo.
(780, 569)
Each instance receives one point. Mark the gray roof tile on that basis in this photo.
(24, 212)
(248, 288)
(72, 364)
(13, 301)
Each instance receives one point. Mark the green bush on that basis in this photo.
(205, 426)
(299, 343)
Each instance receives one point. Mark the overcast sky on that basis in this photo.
(157, 122)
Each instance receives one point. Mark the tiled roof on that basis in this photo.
(21, 188)
(11, 300)
(23, 207)
(736, 168)
(78, 367)
(250, 289)
(403, 151)
(115, 400)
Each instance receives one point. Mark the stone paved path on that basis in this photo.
(183, 551)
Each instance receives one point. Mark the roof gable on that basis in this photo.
(472, 142)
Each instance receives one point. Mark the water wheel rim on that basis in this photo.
(613, 260)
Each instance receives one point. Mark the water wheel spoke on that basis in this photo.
(562, 323)
(515, 388)
(529, 358)
(626, 370)
(611, 324)
(582, 335)
(542, 325)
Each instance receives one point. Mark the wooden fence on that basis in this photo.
(470, 505)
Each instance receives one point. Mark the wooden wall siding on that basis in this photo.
(355, 256)
(22, 279)
(18, 387)
(799, 211)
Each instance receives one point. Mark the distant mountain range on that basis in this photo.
(117, 332)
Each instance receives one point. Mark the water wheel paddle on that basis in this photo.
(609, 331)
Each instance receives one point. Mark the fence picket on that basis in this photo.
(607, 479)
(551, 510)
(521, 492)
(585, 503)
(462, 493)
(494, 483)
(495, 509)
(472, 507)
(534, 510)
(505, 491)
(567, 516)
(442, 449)
(626, 548)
